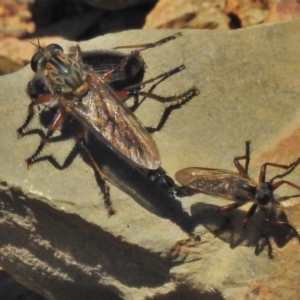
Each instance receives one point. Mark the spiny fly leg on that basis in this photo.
(152, 45)
(175, 102)
(171, 102)
(134, 90)
(41, 100)
(55, 163)
(57, 121)
(100, 177)
(163, 76)
(136, 53)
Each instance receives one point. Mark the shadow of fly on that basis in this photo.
(241, 189)
(84, 94)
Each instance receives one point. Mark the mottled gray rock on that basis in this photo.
(55, 236)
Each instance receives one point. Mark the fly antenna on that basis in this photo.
(38, 45)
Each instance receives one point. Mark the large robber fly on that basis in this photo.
(126, 73)
(84, 94)
(240, 188)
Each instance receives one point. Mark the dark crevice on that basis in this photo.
(235, 21)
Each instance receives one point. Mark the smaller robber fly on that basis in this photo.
(240, 188)
(85, 95)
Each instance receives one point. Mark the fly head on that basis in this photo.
(264, 193)
(64, 75)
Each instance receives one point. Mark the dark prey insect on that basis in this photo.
(240, 188)
(85, 95)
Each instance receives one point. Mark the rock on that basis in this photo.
(55, 236)
(8, 66)
(188, 14)
(16, 53)
(284, 10)
(248, 13)
(15, 18)
(219, 14)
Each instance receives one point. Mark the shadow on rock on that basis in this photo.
(184, 292)
(229, 227)
(69, 250)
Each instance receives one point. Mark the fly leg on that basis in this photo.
(57, 121)
(171, 102)
(143, 47)
(161, 78)
(100, 177)
(151, 45)
(243, 170)
(134, 90)
(290, 168)
(40, 100)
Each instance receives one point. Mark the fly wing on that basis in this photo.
(217, 182)
(106, 116)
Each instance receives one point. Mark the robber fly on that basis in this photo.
(85, 95)
(128, 70)
(240, 188)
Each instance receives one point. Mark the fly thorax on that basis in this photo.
(245, 189)
(65, 75)
(264, 193)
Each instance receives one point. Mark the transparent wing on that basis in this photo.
(217, 182)
(105, 115)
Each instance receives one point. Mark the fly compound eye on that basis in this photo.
(35, 60)
(54, 48)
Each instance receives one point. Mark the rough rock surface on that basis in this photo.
(220, 14)
(55, 236)
(188, 14)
